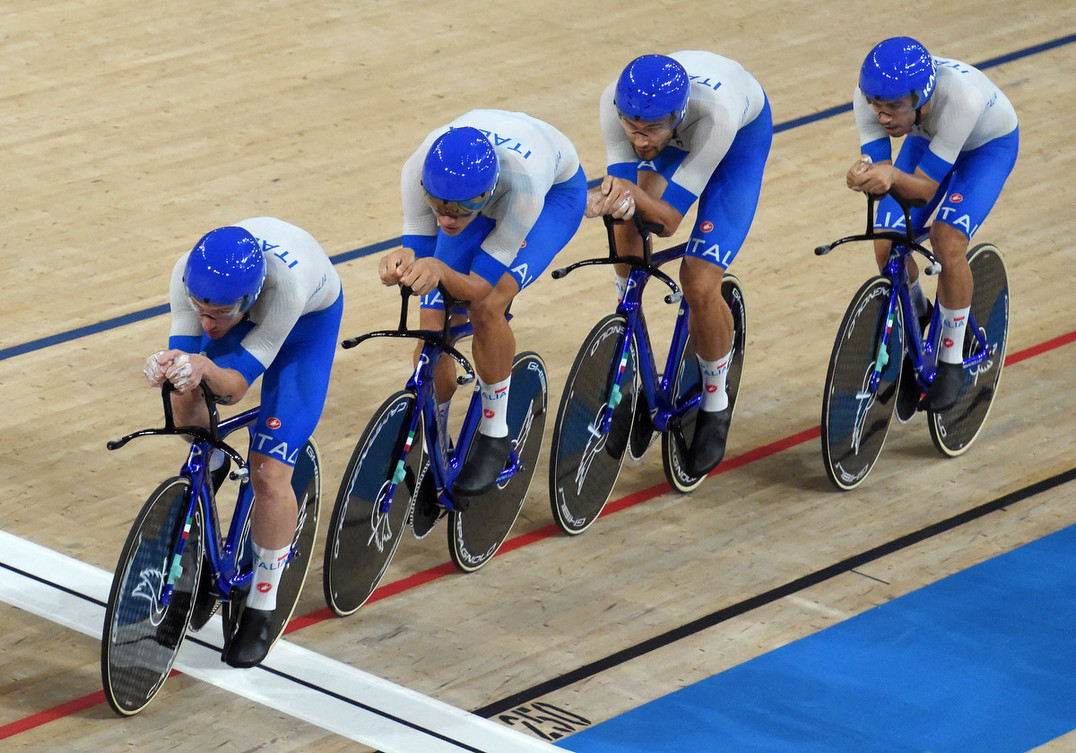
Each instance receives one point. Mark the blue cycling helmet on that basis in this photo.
(652, 88)
(225, 268)
(461, 167)
(898, 67)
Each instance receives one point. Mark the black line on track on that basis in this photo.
(189, 638)
(659, 641)
(768, 597)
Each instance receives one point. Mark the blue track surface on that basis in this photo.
(983, 661)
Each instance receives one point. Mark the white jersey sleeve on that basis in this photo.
(299, 279)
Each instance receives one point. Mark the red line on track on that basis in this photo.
(447, 568)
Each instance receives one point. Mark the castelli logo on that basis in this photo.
(265, 587)
(948, 342)
(706, 227)
(273, 423)
(523, 245)
(488, 413)
(956, 198)
(711, 388)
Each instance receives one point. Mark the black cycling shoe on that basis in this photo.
(485, 461)
(708, 445)
(945, 389)
(252, 640)
(908, 392)
(619, 430)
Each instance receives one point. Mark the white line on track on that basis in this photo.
(294, 680)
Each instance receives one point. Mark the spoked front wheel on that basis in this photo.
(585, 461)
(476, 534)
(373, 504)
(677, 439)
(142, 635)
(953, 430)
(855, 416)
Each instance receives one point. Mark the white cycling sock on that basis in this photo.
(268, 567)
(494, 421)
(714, 378)
(954, 324)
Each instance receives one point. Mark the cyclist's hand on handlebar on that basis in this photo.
(186, 370)
(155, 368)
(614, 197)
(870, 178)
(421, 275)
(855, 171)
(392, 265)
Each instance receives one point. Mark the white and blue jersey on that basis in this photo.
(514, 232)
(716, 156)
(289, 334)
(967, 141)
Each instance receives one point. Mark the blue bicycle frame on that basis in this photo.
(223, 555)
(923, 355)
(446, 459)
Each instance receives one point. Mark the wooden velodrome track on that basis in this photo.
(128, 129)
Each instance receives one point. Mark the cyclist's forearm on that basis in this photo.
(466, 287)
(653, 209)
(225, 383)
(913, 186)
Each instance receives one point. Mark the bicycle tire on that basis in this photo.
(855, 421)
(952, 431)
(306, 482)
(582, 473)
(677, 439)
(475, 534)
(362, 538)
(141, 639)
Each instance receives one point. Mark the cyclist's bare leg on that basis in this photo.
(493, 349)
(955, 287)
(709, 321)
(444, 379)
(275, 507)
(494, 344)
(955, 283)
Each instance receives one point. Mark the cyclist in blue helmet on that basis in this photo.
(961, 138)
(488, 201)
(683, 128)
(254, 300)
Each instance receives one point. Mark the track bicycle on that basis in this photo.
(405, 461)
(615, 400)
(177, 564)
(880, 338)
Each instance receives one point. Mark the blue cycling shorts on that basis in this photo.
(295, 384)
(967, 193)
(728, 202)
(556, 225)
